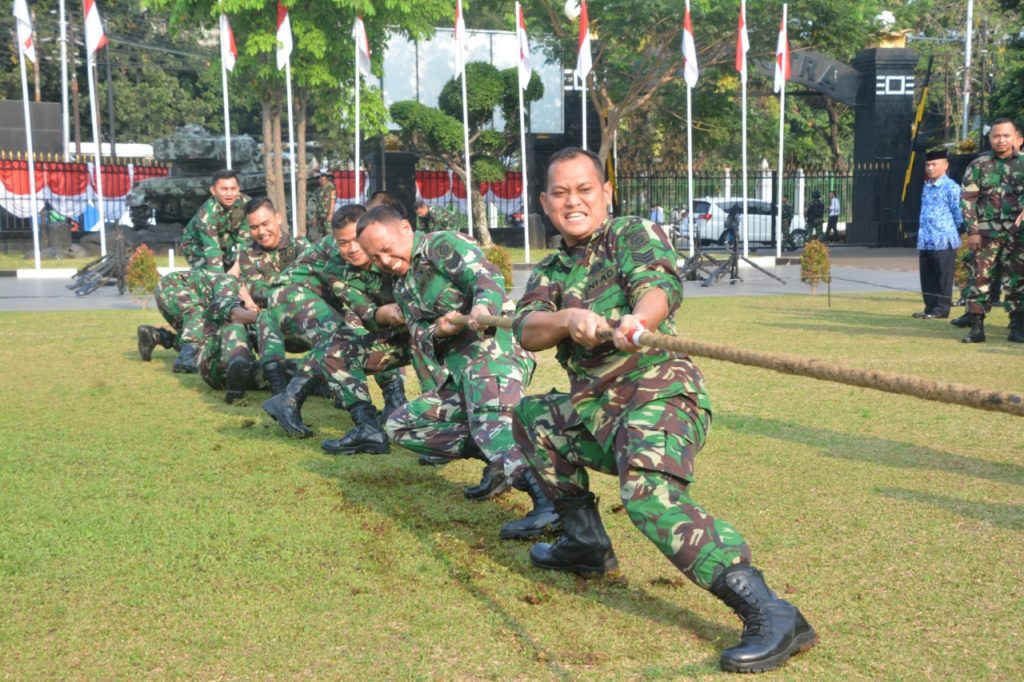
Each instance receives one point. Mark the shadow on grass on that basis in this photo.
(882, 451)
(431, 504)
(1008, 516)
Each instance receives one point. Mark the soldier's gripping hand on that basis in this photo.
(242, 315)
(478, 312)
(389, 315)
(624, 333)
(974, 242)
(583, 326)
(447, 325)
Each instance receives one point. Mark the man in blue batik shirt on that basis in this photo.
(937, 236)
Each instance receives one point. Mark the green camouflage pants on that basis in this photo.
(654, 466)
(1000, 260)
(297, 316)
(218, 348)
(442, 421)
(181, 306)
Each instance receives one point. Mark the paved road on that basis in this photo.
(854, 270)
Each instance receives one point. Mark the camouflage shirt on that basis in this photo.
(318, 267)
(326, 197)
(623, 260)
(260, 267)
(363, 292)
(215, 236)
(449, 272)
(438, 219)
(990, 198)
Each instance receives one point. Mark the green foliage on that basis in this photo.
(502, 259)
(488, 169)
(815, 264)
(141, 276)
(483, 88)
(960, 271)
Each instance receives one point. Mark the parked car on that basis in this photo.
(723, 221)
(679, 228)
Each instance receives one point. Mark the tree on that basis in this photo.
(437, 134)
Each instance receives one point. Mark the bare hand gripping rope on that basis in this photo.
(957, 394)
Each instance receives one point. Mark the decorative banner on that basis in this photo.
(95, 38)
(228, 51)
(284, 36)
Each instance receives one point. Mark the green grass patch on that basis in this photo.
(17, 261)
(518, 254)
(147, 529)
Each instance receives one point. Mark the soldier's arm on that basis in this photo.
(358, 302)
(224, 297)
(541, 323)
(969, 200)
(649, 263)
(470, 271)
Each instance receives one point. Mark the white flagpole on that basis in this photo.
(359, 196)
(689, 164)
(583, 108)
(291, 146)
(33, 199)
(89, 63)
(746, 244)
(65, 118)
(465, 141)
(522, 156)
(782, 118)
(227, 117)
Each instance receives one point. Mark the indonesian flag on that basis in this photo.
(460, 39)
(584, 63)
(228, 51)
(783, 68)
(362, 48)
(24, 21)
(284, 36)
(525, 65)
(742, 42)
(690, 71)
(94, 36)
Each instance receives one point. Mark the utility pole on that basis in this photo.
(967, 69)
(110, 106)
(64, 81)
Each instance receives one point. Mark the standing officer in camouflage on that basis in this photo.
(991, 200)
(434, 218)
(323, 206)
(482, 372)
(216, 235)
(640, 414)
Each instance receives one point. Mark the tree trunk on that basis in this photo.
(268, 149)
(480, 218)
(275, 139)
(301, 171)
(838, 162)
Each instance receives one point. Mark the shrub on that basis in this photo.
(141, 276)
(502, 260)
(960, 274)
(815, 266)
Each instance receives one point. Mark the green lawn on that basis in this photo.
(16, 261)
(147, 529)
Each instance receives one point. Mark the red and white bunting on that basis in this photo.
(783, 67)
(284, 36)
(228, 51)
(690, 71)
(525, 64)
(742, 42)
(363, 62)
(24, 21)
(94, 36)
(584, 61)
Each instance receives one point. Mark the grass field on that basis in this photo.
(149, 530)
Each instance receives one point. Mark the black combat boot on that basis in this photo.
(539, 519)
(584, 546)
(977, 333)
(1016, 327)
(238, 377)
(275, 373)
(286, 408)
(773, 629)
(187, 358)
(365, 436)
(150, 337)
(963, 321)
(393, 390)
(492, 483)
(432, 460)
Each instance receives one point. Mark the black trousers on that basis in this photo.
(832, 228)
(937, 269)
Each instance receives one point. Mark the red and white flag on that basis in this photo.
(584, 62)
(228, 51)
(525, 64)
(94, 36)
(783, 67)
(284, 36)
(24, 21)
(363, 62)
(460, 39)
(742, 42)
(690, 71)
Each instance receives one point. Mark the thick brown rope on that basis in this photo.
(939, 391)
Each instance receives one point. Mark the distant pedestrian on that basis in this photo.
(658, 214)
(832, 230)
(813, 214)
(937, 236)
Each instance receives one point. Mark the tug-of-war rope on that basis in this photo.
(926, 389)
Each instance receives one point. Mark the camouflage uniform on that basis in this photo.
(643, 416)
(215, 236)
(182, 297)
(480, 376)
(224, 339)
(324, 199)
(787, 223)
(991, 200)
(438, 219)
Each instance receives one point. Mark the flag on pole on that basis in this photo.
(95, 38)
(362, 48)
(690, 71)
(24, 21)
(284, 36)
(525, 64)
(742, 42)
(228, 51)
(584, 62)
(460, 39)
(783, 68)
